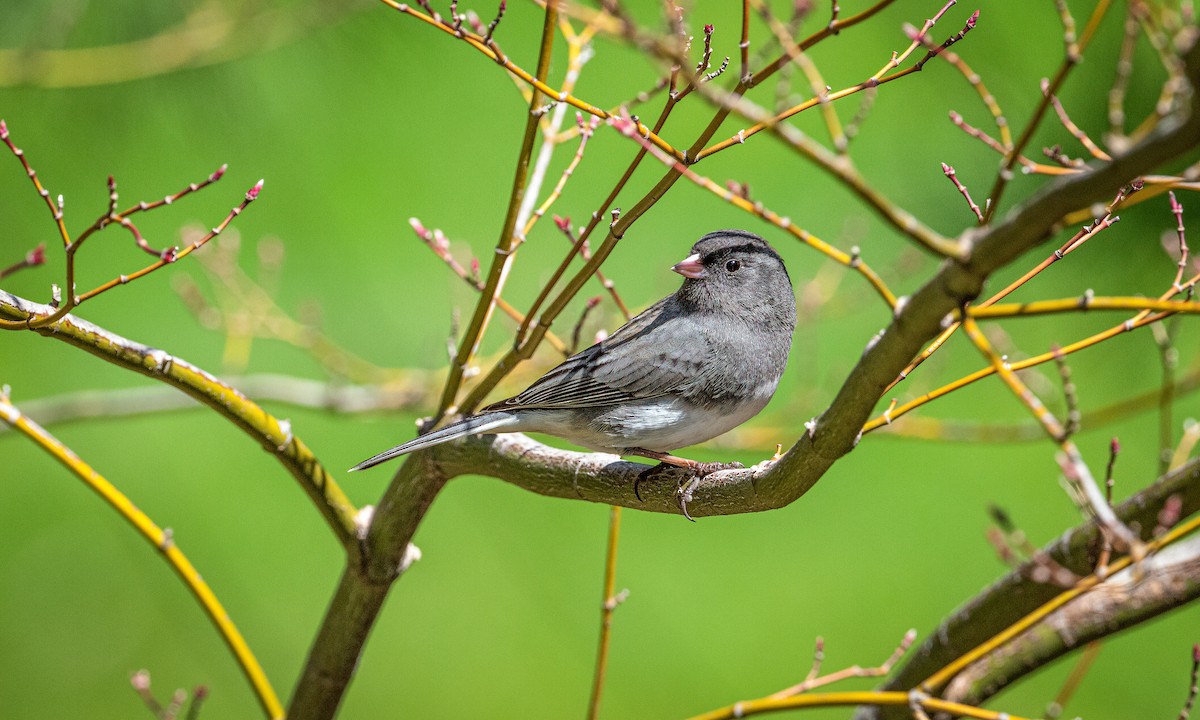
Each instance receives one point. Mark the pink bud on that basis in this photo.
(36, 256)
(475, 266)
(1114, 446)
(593, 302)
(418, 228)
(440, 241)
(562, 222)
(973, 19)
(625, 126)
(252, 193)
(945, 168)
(3, 130)
(503, 6)
(220, 171)
(140, 680)
(708, 29)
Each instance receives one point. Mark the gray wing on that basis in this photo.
(656, 353)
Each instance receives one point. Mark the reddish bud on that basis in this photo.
(562, 223)
(3, 130)
(440, 241)
(1196, 653)
(200, 692)
(1114, 447)
(503, 6)
(36, 256)
(973, 19)
(593, 302)
(625, 126)
(252, 193)
(220, 172)
(708, 29)
(475, 267)
(417, 227)
(140, 680)
(946, 168)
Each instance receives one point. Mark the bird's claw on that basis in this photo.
(685, 487)
(683, 494)
(648, 474)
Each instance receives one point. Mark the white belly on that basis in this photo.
(661, 424)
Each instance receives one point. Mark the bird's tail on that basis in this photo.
(474, 425)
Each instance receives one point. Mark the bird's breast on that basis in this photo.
(663, 424)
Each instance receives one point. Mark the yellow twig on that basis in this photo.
(610, 602)
(1082, 303)
(163, 542)
(842, 699)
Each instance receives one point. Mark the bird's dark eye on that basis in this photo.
(732, 265)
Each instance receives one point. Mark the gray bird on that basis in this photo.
(696, 364)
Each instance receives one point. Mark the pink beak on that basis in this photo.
(690, 267)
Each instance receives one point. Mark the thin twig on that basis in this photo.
(55, 210)
(815, 680)
(33, 258)
(1194, 690)
(610, 600)
(949, 172)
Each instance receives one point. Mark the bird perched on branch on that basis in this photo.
(694, 365)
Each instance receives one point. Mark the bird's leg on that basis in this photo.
(683, 492)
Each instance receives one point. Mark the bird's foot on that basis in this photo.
(686, 485)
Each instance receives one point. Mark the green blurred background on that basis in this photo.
(359, 118)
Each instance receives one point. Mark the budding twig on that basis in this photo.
(948, 171)
(33, 258)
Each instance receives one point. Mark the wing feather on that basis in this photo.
(629, 365)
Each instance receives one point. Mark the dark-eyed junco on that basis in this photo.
(696, 364)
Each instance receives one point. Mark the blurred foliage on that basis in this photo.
(359, 123)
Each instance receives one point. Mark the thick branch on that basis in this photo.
(1162, 582)
(362, 590)
(1016, 595)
